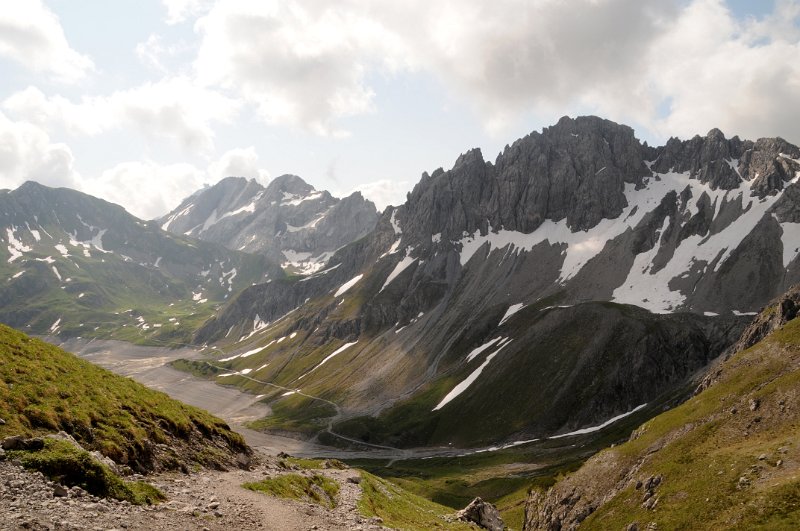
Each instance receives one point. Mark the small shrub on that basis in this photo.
(317, 488)
(70, 466)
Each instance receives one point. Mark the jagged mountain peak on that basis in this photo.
(288, 220)
(289, 183)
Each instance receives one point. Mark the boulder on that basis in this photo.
(18, 442)
(482, 513)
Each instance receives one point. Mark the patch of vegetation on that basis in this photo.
(503, 478)
(317, 488)
(303, 463)
(62, 462)
(401, 509)
(44, 389)
(199, 368)
(296, 413)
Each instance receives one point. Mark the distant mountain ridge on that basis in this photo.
(288, 220)
(74, 264)
(502, 259)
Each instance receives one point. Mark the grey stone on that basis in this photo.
(18, 442)
(243, 460)
(482, 513)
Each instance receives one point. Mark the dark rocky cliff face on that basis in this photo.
(574, 170)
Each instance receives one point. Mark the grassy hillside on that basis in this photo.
(44, 389)
(727, 458)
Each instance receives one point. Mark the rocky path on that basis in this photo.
(209, 500)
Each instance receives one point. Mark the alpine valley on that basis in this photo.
(492, 333)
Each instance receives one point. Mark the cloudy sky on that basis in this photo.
(143, 102)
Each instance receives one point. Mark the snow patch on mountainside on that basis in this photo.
(329, 357)
(643, 287)
(34, 233)
(593, 429)
(305, 263)
(173, 217)
(347, 285)
(401, 266)
(791, 242)
(477, 350)
(395, 223)
(514, 308)
(469, 380)
(15, 247)
(310, 225)
(245, 354)
(650, 289)
(295, 199)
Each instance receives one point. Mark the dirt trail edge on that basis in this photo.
(213, 500)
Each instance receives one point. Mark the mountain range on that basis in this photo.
(581, 276)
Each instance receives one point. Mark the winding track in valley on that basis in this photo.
(149, 366)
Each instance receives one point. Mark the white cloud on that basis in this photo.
(384, 192)
(27, 153)
(152, 51)
(180, 10)
(145, 188)
(174, 108)
(31, 35)
(149, 189)
(307, 64)
(239, 162)
(299, 63)
(741, 77)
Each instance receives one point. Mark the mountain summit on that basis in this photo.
(288, 221)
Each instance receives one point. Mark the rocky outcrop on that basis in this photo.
(777, 313)
(482, 513)
(574, 170)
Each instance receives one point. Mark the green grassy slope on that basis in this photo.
(44, 389)
(727, 458)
